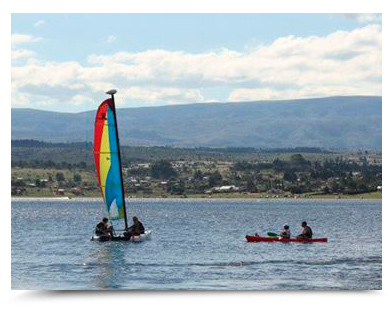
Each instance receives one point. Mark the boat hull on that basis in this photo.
(254, 238)
(140, 238)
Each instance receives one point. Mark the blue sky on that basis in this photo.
(66, 61)
(75, 36)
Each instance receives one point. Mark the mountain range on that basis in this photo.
(343, 122)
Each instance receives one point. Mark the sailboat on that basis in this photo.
(109, 170)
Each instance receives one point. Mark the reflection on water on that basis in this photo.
(108, 259)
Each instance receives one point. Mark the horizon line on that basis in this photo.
(199, 103)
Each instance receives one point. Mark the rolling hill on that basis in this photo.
(347, 122)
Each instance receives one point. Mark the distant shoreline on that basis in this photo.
(365, 196)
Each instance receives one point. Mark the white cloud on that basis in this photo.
(267, 93)
(156, 95)
(21, 39)
(21, 53)
(39, 23)
(17, 39)
(365, 17)
(343, 62)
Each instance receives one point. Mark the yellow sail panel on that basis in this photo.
(105, 158)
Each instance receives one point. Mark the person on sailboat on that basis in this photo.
(102, 228)
(136, 229)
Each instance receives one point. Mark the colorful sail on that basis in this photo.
(107, 161)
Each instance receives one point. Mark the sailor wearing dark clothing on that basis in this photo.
(306, 232)
(136, 229)
(99, 230)
(102, 228)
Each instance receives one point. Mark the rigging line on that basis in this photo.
(113, 229)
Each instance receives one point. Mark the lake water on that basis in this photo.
(198, 244)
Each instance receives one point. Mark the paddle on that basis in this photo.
(272, 234)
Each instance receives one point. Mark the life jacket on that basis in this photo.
(285, 233)
(138, 228)
(100, 228)
(307, 232)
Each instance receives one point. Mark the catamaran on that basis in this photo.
(109, 170)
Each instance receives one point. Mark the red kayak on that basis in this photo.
(254, 238)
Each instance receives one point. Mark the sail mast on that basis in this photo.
(112, 92)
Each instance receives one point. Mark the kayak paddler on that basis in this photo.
(306, 232)
(285, 232)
